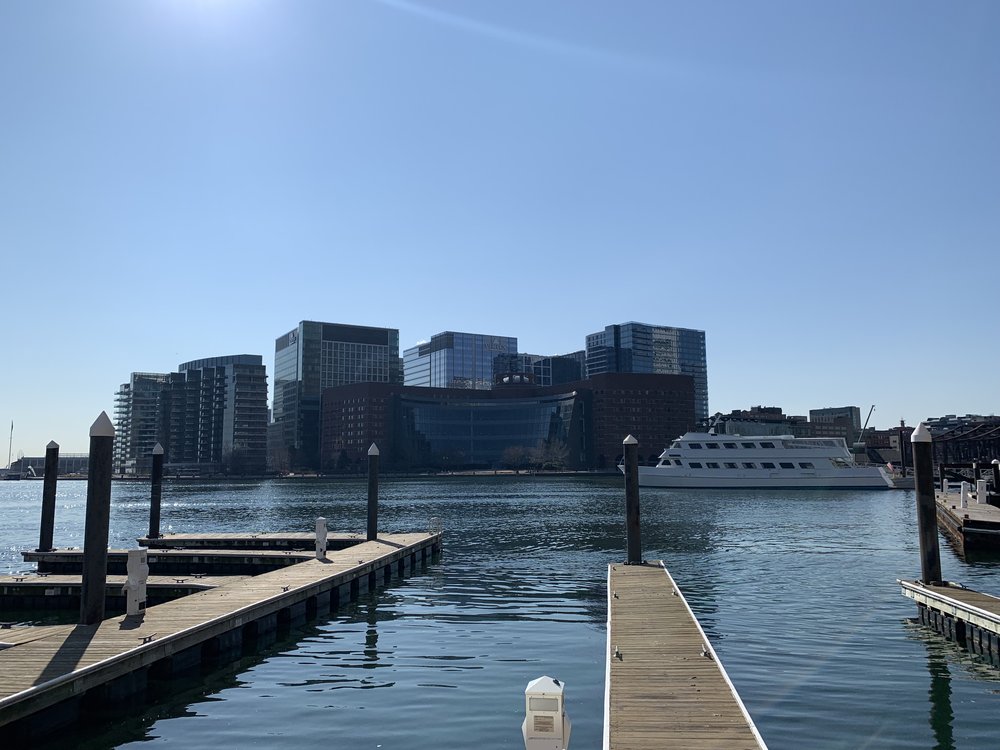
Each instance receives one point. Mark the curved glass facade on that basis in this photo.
(474, 432)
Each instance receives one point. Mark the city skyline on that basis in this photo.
(811, 186)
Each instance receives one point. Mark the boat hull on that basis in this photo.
(652, 476)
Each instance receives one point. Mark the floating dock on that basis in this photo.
(968, 617)
(665, 684)
(53, 673)
(975, 528)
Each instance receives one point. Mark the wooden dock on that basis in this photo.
(53, 673)
(665, 685)
(968, 617)
(975, 528)
(281, 540)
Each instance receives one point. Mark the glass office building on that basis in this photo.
(314, 356)
(661, 350)
(456, 360)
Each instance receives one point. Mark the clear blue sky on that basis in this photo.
(815, 185)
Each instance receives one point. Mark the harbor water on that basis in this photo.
(797, 591)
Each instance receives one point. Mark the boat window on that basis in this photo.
(677, 463)
(675, 445)
(748, 445)
(731, 446)
(694, 445)
(767, 465)
(731, 466)
(712, 465)
(787, 465)
(711, 445)
(767, 445)
(694, 465)
(806, 465)
(748, 465)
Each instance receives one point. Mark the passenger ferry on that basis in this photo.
(704, 460)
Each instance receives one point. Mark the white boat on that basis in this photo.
(704, 460)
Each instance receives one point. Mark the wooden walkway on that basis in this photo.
(45, 666)
(975, 528)
(280, 540)
(968, 617)
(665, 686)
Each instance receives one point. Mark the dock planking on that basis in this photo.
(665, 685)
(966, 616)
(58, 663)
(275, 540)
(975, 528)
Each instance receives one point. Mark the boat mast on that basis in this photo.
(10, 443)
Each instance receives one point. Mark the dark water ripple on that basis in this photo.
(796, 591)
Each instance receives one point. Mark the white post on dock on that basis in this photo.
(98, 519)
(981, 491)
(321, 538)
(546, 725)
(134, 589)
(923, 481)
(963, 501)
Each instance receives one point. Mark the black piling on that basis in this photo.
(156, 487)
(633, 541)
(372, 493)
(95, 535)
(49, 497)
(996, 476)
(923, 472)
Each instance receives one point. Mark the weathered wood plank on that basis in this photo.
(665, 686)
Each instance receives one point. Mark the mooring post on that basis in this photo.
(49, 497)
(156, 489)
(996, 476)
(923, 472)
(95, 535)
(633, 542)
(373, 493)
(321, 538)
(981, 491)
(963, 495)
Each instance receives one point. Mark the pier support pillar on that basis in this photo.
(923, 471)
(49, 497)
(95, 535)
(156, 487)
(372, 493)
(633, 542)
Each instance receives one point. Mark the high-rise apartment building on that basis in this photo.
(661, 350)
(314, 356)
(210, 417)
(137, 422)
(456, 360)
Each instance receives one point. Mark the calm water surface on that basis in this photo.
(796, 591)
